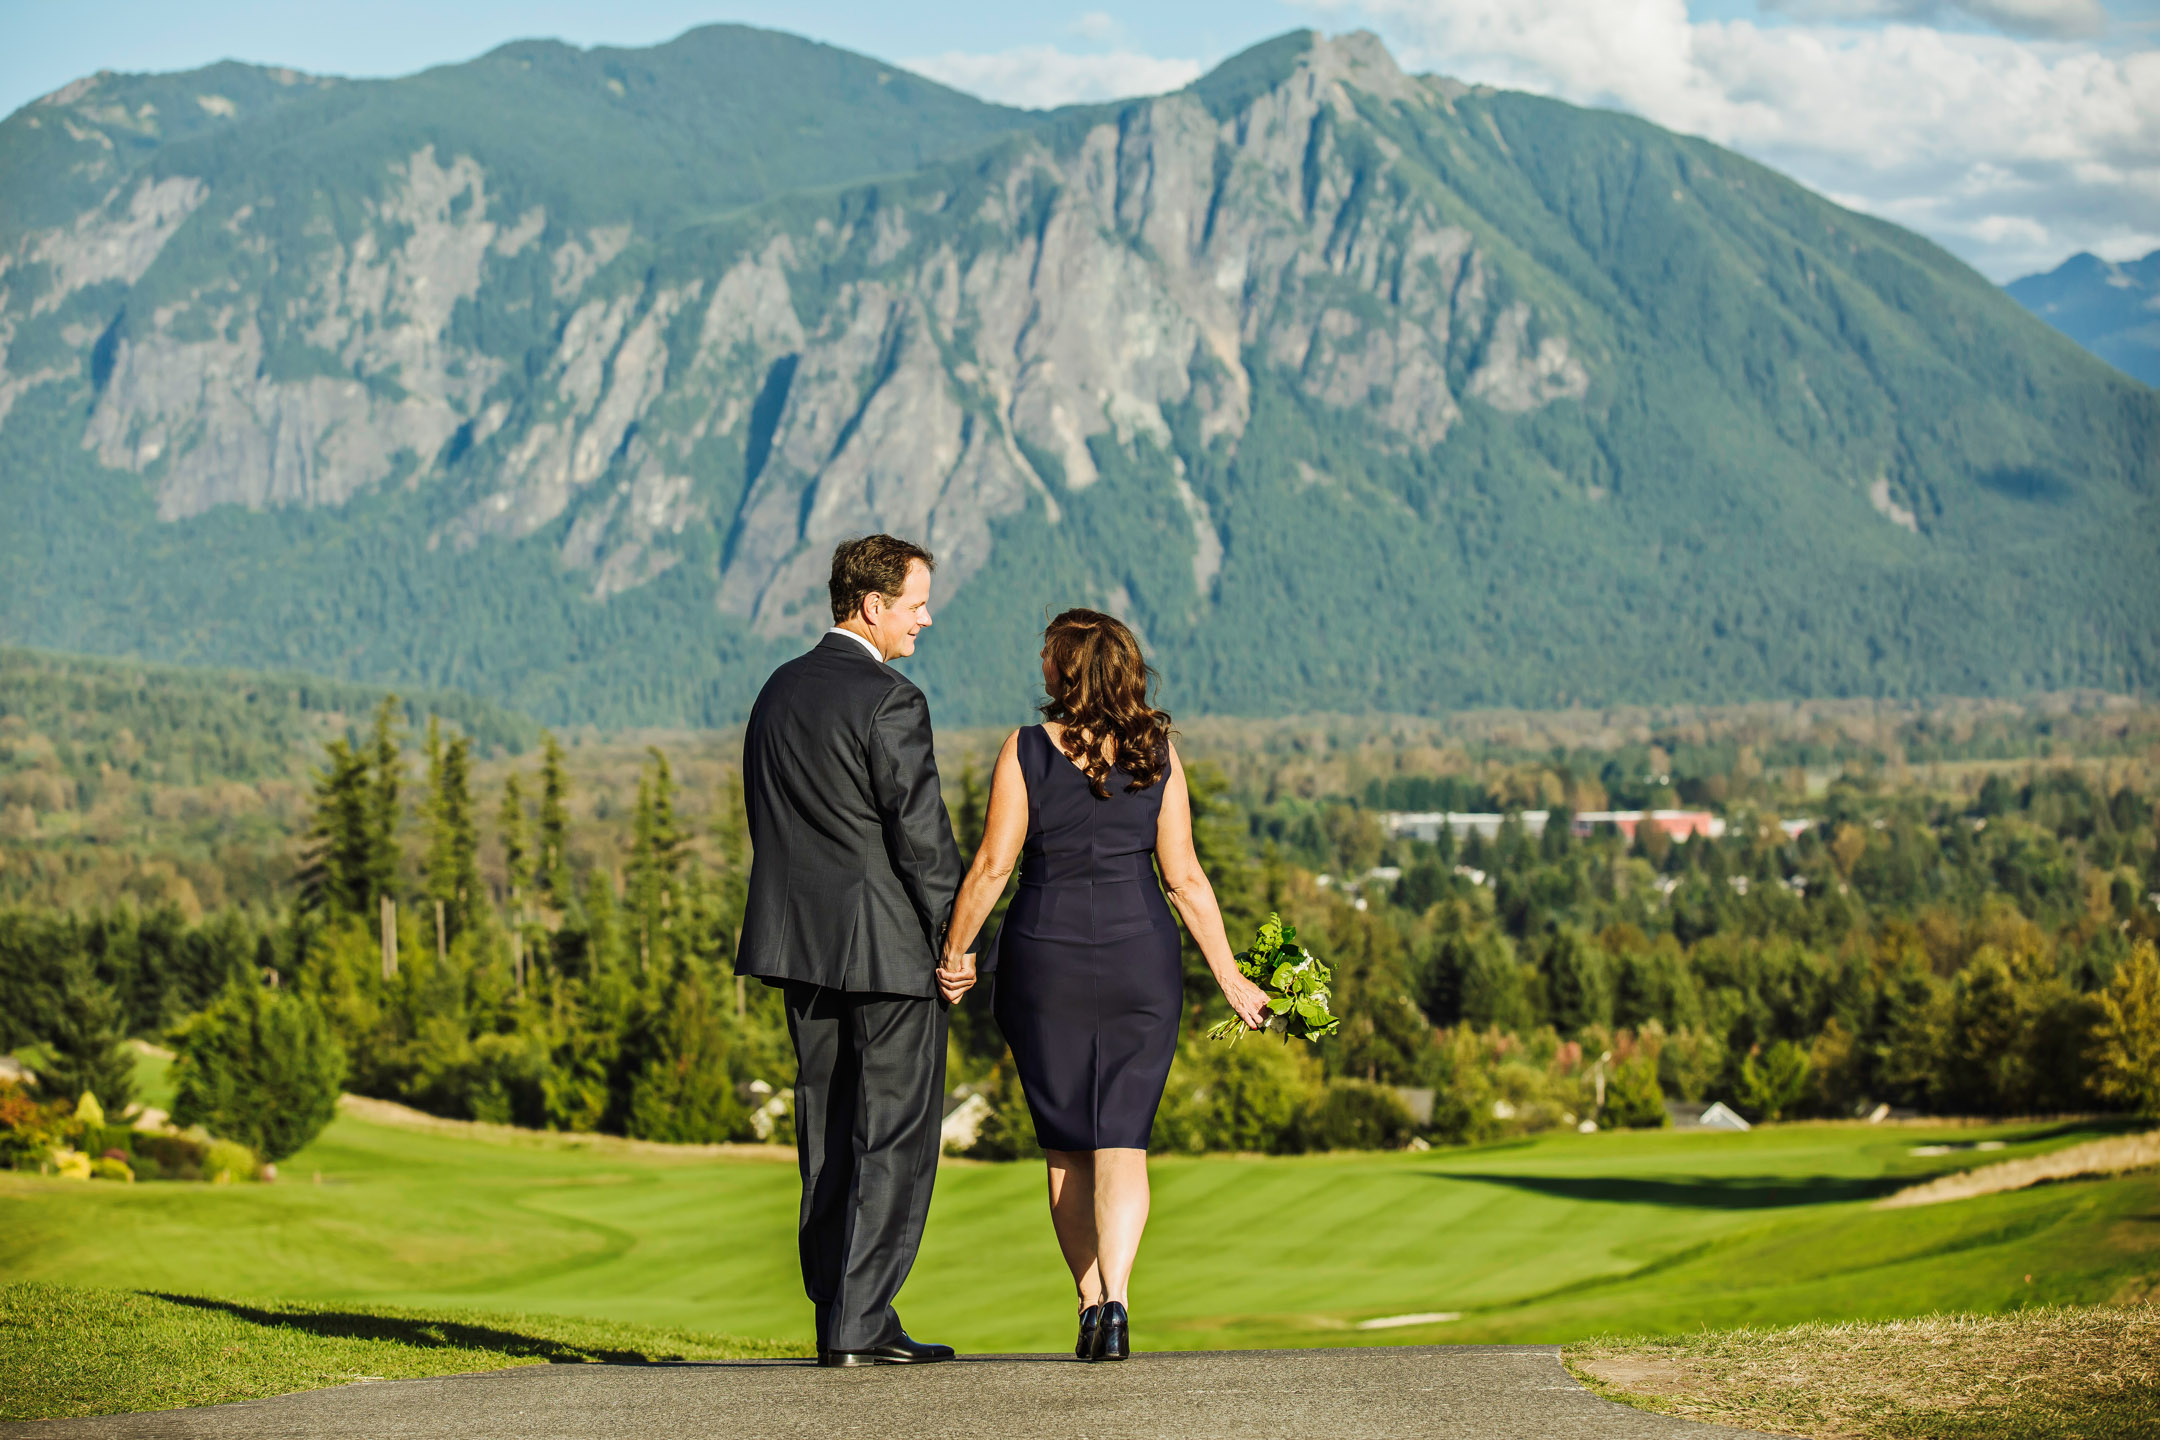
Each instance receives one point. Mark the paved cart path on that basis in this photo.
(1492, 1392)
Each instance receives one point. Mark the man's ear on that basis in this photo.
(873, 606)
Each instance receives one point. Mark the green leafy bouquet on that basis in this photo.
(1296, 982)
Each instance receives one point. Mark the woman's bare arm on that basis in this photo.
(1004, 832)
(1194, 897)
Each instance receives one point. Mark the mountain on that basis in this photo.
(2112, 310)
(555, 376)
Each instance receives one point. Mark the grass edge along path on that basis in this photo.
(67, 1351)
(2057, 1372)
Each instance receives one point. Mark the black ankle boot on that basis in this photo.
(1085, 1350)
(1113, 1340)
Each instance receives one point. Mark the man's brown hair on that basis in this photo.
(873, 565)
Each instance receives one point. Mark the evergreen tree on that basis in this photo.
(551, 872)
(1577, 983)
(731, 837)
(453, 862)
(683, 1092)
(971, 814)
(657, 850)
(386, 760)
(262, 1067)
(517, 857)
(86, 1043)
(1495, 986)
(337, 869)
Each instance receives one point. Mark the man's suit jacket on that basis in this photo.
(853, 868)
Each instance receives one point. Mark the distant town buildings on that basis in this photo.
(1426, 825)
(1679, 824)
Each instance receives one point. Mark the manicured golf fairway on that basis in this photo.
(1548, 1239)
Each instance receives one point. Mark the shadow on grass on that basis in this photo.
(1738, 1192)
(422, 1334)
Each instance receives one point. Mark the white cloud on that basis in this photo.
(1042, 77)
(1097, 25)
(2011, 152)
(2052, 18)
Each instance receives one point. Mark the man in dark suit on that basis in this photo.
(852, 881)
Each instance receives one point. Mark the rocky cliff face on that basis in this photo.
(1310, 297)
(964, 342)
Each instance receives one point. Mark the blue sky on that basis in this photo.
(2014, 132)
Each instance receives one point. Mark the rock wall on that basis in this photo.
(930, 356)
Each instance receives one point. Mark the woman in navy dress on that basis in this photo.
(1089, 986)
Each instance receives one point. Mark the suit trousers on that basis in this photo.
(869, 1101)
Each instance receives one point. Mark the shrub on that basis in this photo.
(1771, 1083)
(259, 1067)
(105, 1167)
(227, 1161)
(1633, 1098)
(1236, 1095)
(28, 1130)
(1356, 1115)
(1008, 1131)
(170, 1157)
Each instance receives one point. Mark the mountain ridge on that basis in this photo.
(1456, 396)
(2111, 308)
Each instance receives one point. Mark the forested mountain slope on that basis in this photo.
(556, 375)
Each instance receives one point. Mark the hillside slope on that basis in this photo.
(552, 377)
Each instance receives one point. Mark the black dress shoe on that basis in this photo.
(1085, 1350)
(902, 1351)
(1113, 1339)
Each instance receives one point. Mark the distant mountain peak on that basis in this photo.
(2110, 307)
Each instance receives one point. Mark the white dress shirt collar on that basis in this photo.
(871, 649)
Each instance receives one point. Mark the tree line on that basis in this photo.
(1987, 954)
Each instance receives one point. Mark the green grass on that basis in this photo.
(70, 1351)
(1552, 1239)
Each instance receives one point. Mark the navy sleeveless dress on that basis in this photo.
(1089, 985)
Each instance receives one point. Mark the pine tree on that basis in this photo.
(972, 812)
(656, 861)
(551, 875)
(87, 1044)
(517, 870)
(517, 858)
(337, 871)
(732, 839)
(453, 834)
(386, 759)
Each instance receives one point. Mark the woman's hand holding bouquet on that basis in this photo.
(1291, 985)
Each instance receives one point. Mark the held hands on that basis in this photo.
(955, 977)
(1246, 998)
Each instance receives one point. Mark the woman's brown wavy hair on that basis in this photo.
(1100, 693)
